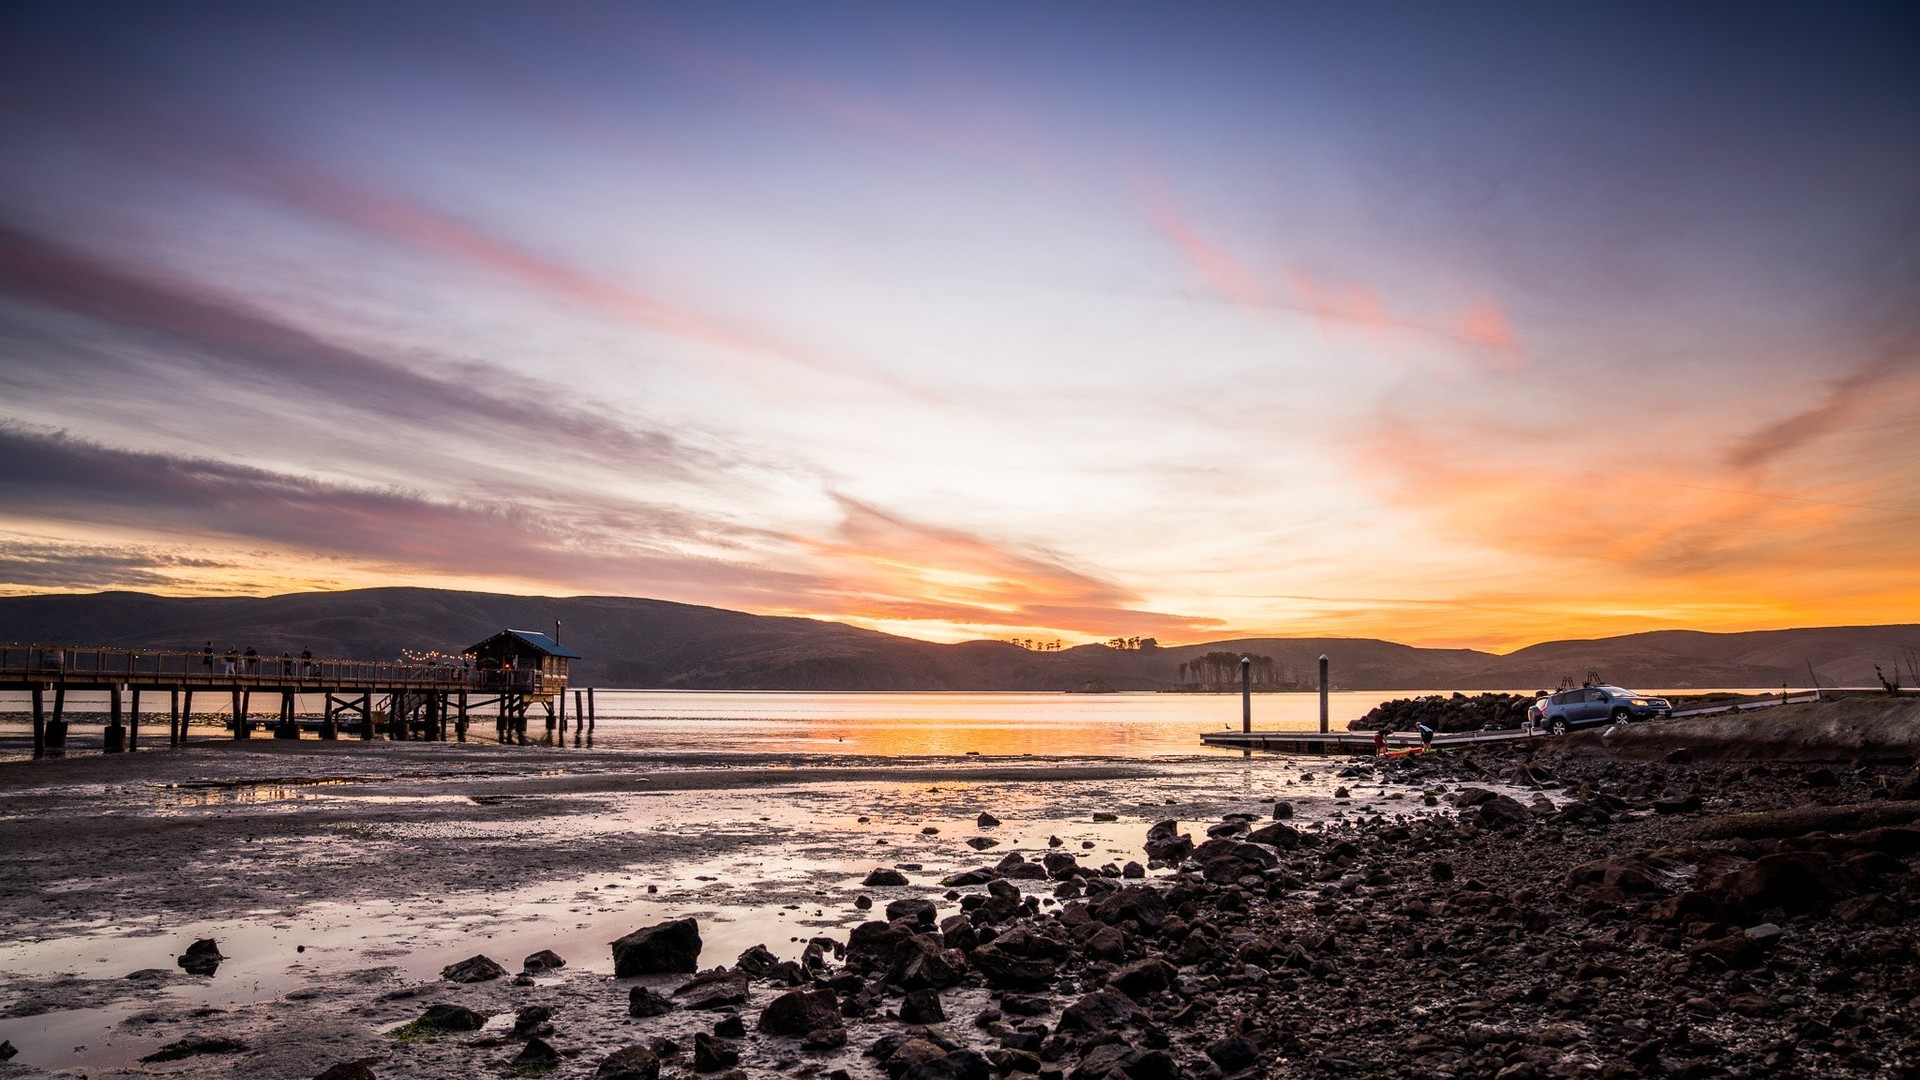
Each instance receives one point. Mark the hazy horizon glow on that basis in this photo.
(1470, 326)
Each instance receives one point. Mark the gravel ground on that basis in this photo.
(1585, 911)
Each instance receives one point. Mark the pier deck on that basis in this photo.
(422, 700)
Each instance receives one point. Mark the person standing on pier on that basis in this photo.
(253, 660)
(233, 659)
(306, 661)
(206, 658)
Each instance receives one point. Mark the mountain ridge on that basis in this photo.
(644, 643)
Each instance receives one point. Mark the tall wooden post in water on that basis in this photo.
(1323, 693)
(1246, 693)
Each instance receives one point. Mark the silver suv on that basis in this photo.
(1595, 705)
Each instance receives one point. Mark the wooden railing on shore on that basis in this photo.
(56, 665)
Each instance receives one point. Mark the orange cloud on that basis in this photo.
(1609, 539)
(886, 570)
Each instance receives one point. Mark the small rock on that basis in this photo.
(345, 1070)
(445, 1017)
(711, 1054)
(194, 1046)
(829, 1038)
(1282, 811)
(982, 843)
(758, 962)
(201, 958)
(1233, 1054)
(1103, 815)
(473, 969)
(644, 1002)
(863, 902)
(798, 1012)
(532, 1020)
(544, 960)
(663, 947)
(629, 1063)
(986, 820)
(715, 989)
(882, 876)
(914, 908)
(538, 1054)
(922, 1007)
(730, 1026)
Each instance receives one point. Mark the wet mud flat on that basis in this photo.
(1489, 914)
(331, 876)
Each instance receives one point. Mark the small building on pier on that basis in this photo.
(526, 651)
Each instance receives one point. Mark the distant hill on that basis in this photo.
(634, 642)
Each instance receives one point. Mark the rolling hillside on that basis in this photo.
(655, 643)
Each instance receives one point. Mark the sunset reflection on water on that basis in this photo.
(1138, 725)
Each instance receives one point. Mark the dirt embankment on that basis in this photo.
(1849, 729)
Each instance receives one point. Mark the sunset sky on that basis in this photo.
(1453, 324)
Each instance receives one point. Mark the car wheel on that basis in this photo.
(1558, 726)
(1622, 715)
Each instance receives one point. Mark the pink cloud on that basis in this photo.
(1484, 327)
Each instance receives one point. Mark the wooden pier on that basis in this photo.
(423, 701)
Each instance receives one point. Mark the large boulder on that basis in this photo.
(663, 947)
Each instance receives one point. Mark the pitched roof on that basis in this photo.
(537, 640)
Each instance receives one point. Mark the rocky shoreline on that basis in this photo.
(1673, 918)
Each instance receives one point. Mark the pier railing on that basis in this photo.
(56, 664)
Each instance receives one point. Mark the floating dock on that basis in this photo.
(1347, 742)
(1361, 742)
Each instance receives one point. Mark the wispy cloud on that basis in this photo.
(1844, 399)
(36, 563)
(631, 547)
(229, 341)
(1482, 330)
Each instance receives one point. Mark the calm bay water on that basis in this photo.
(874, 724)
(877, 724)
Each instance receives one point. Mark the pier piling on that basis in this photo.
(57, 726)
(114, 739)
(39, 720)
